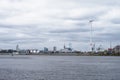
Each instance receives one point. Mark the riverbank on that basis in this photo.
(66, 54)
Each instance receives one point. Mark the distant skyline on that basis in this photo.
(48, 23)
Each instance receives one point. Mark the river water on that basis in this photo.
(59, 67)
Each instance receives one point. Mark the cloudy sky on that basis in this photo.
(48, 23)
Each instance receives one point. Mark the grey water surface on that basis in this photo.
(59, 67)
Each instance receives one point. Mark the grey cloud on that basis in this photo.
(116, 21)
(23, 40)
(93, 16)
(105, 2)
(33, 29)
(108, 37)
(70, 31)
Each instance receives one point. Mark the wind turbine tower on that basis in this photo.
(91, 36)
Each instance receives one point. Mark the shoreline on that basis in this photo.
(69, 54)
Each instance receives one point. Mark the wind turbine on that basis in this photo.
(92, 45)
